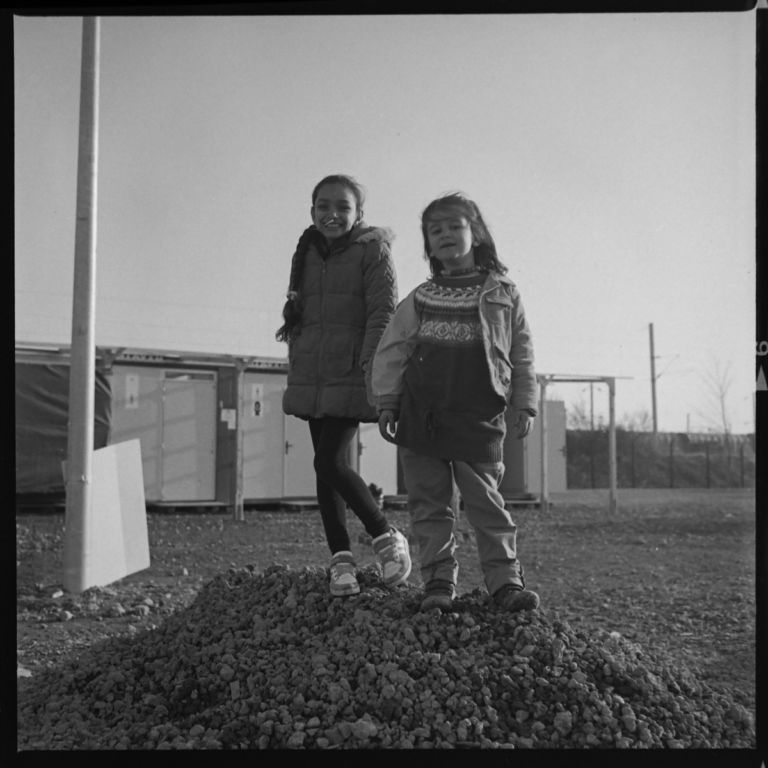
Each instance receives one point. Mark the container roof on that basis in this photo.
(37, 352)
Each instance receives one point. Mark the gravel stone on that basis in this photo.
(270, 660)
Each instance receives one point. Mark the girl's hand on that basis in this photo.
(388, 425)
(524, 424)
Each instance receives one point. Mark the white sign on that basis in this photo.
(116, 541)
(229, 415)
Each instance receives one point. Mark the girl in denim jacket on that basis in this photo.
(455, 355)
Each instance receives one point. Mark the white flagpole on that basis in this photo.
(83, 351)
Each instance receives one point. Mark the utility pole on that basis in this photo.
(653, 379)
(612, 463)
(592, 433)
(82, 368)
(544, 505)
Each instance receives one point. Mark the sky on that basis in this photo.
(612, 156)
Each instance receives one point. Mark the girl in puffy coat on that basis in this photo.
(455, 355)
(341, 293)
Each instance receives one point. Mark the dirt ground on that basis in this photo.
(673, 571)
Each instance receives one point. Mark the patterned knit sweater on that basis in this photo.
(449, 408)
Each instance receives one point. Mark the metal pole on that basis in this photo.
(741, 462)
(706, 450)
(653, 380)
(671, 461)
(239, 511)
(543, 429)
(82, 374)
(612, 444)
(592, 433)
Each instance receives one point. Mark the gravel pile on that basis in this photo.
(270, 660)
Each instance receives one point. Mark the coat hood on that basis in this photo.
(363, 233)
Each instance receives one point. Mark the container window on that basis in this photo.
(190, 375)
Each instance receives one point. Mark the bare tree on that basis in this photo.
(637, 421)
(578, 416)
(717, 382)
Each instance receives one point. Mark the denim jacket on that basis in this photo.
(506, 338)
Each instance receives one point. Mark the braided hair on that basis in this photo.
(292, 307)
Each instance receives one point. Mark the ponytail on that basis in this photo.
(292, 307)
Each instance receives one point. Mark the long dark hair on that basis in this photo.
(485, 249)
(293, 305)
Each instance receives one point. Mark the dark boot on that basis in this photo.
(438, 594)
(513, 598)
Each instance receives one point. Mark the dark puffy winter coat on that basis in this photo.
(348, 293)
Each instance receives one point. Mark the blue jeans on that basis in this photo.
(433, 505)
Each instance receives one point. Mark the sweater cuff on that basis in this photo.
(388, 403)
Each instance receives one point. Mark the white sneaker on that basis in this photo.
(343, 577)
(392, 551)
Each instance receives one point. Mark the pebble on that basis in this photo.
(563, 721)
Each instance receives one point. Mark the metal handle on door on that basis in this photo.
(287, 446)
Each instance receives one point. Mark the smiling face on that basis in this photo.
(450, 240)
(335, 210)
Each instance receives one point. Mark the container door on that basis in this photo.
(556, 461)
(137, 405)
(298, 458)
(377, 459)
(189, 436)
(263, 437)
(557, 477)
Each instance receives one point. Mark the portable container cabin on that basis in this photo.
(183, 408)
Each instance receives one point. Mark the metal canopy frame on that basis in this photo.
(544, 379)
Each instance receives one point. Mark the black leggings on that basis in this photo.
(339, 486)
